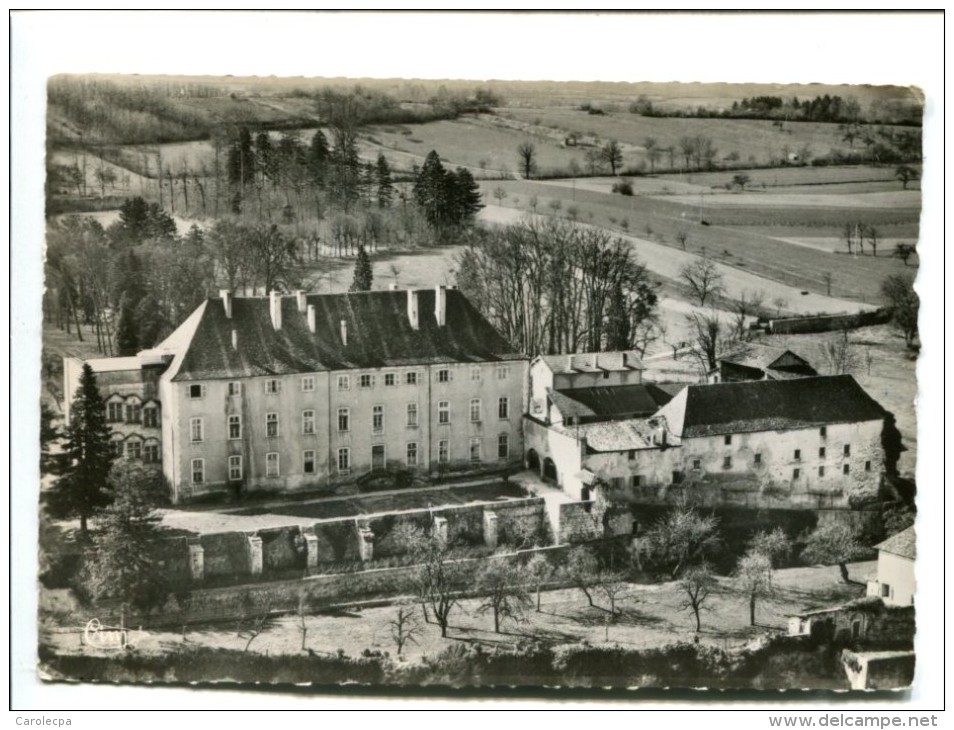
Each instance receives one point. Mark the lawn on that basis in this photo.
(649, 616)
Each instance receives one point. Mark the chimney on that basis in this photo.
(234, 339)
(311, 318)
(412, 308)
(275, 307)
(440, 305)
(226, 302)
(300, 298)
(344, 332)
(392, 287)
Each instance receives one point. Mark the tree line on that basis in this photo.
(550, 286)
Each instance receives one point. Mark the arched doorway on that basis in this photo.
(533, 461)
(549, 469)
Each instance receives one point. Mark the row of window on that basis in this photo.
(132, 413)
(677, 476)
(378, 458)
(798, 452)
(365, 380)
(757, 461)
(136, 449)
(197, 424)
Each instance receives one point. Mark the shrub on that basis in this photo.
(624, 187)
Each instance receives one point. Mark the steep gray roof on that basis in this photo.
(594, 362)
(379, 335)
(773, 405)
(903, 543)
(616, 401)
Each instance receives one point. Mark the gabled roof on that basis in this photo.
(763, 357)
(769, 405)
(379, 335)
(903, 543)
(594, 362)
(607, 402)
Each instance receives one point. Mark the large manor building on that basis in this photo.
(285, 393)
(299, 392)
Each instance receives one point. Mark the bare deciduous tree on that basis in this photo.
(405, 627)
(527, 157)
(696, 586)
(703, 279)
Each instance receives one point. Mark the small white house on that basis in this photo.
(895, 581)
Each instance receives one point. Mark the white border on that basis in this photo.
(833, 48)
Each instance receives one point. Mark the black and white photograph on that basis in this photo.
(478, 381)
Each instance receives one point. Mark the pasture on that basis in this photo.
(754, 141)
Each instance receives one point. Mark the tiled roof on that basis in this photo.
(618, 401)
(902, 543)
(771, 405)
(378, 331)
(594, 362)
(635, 433)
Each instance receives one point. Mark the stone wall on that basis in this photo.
(828, 322)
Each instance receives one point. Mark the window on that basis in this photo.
(867, 466)
(697, 464)
(847, 449)
(503, 372)
(133, 413)
(271, 425)
(821, 471)
(307, 422)
(606, 375)
(728, 440)
(475, 374)
(443, 411)
(389, 379)
(273, 386)
(410, 378)
(798, 454)
(474, 450)
(475, 410)
(198, 471)
(412, 453)
(631, 455)
(235, 388)
(885, 590)
(796, 473)
(344, 382)
(195, 429)
(758, 459)
(271, 464)
(308, 383)
(823, 431)
(308, 461)
(119, 449)
(235, 427)
(443, 376)
(134, 449)
(150, 417)
(150, 452)
(344, 460)
(377, 419)
(115, 412)
(677, 477)
(636, 480)
(726, 462)
(443, 452)
(846, 469)
(344, 419)
(235, 468)
(365, 380)
(412, 415)
(503, 446)
(503, 408)
(196, 391)
(821, 453)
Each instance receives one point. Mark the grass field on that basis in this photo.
(648, 616)
(756, 141)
